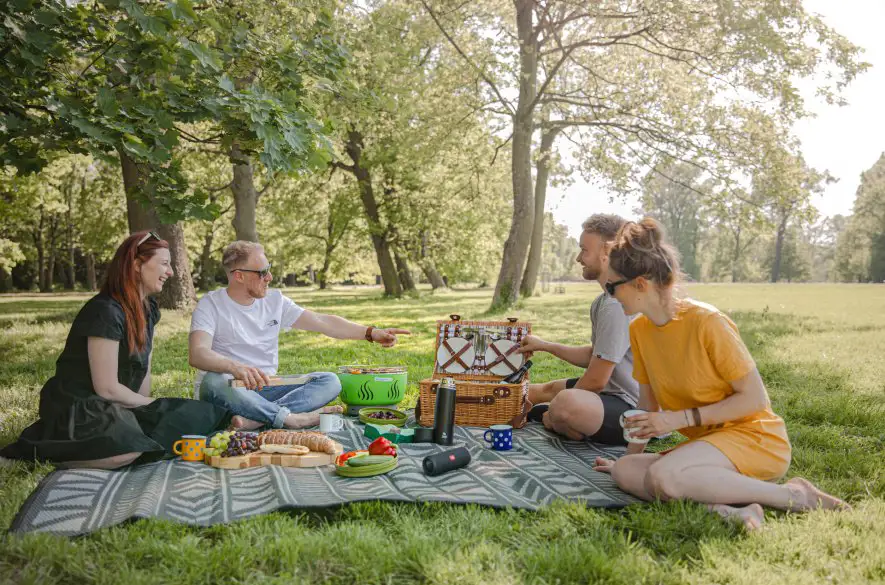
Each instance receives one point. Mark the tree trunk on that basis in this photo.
(53, 252)
(432, 274)
(69, 242)
(404, 272)
(533, 266)
(206, 259)
(90, 271)
(389, 277)
(5, 281)
(778, 250)
(323, 273)
(736, 257)
(40, 246)
(517, 244)
(245, 195)
(179, 291)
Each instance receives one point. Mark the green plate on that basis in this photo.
(366, 470)
(399, 421)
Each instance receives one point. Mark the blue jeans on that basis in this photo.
(272, 404)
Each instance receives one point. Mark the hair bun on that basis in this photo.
(654, 231)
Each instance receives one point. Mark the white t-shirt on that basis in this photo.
(247, 334)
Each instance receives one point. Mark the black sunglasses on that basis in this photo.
(147, 237)
(262, 273)
(611, 286)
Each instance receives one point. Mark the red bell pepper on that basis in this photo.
(342, 459)
(382, 446)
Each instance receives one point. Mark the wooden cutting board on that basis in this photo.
(259, 458)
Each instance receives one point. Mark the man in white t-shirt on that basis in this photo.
(235, 334)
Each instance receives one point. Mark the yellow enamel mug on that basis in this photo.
(190, 447)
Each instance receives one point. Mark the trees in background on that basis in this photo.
(860, 250)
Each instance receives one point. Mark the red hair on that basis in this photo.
(122, 284)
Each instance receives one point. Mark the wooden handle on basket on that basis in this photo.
(455, 317)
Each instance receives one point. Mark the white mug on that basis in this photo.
(627, 436)
(330, 423)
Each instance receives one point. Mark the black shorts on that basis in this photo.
(610, 433)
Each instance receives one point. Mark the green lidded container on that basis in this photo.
(363, 386)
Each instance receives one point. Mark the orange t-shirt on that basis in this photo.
(689, 362)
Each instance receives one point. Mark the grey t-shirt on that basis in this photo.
(611, 341)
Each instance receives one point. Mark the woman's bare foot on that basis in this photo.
(751, 517)
(806, 496)
(336, 409)
(240, 423)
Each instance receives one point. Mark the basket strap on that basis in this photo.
(502, 357)
(488, 399)
(456, 357)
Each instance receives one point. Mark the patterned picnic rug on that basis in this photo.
(540, 469)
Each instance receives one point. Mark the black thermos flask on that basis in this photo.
(446, 461)
(444, 413)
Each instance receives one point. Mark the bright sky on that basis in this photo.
(844, 140)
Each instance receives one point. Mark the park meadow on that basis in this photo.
(817, 347)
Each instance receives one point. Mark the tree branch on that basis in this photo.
(482, 73)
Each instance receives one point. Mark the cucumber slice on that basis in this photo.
(368, 460)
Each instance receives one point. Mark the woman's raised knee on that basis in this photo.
(664, 482)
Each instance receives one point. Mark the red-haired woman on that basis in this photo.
(97, 410)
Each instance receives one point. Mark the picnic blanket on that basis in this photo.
(540, 469)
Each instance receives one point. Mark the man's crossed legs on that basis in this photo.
(292, 406)
(580, 414)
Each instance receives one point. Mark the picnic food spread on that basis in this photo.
(240, 449)
(380, 458)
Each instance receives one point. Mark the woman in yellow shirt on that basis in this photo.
(696, 376)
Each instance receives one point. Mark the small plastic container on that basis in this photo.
(392, 433)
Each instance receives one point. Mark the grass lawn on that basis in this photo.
(819, 348)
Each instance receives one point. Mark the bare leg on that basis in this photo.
(629, 473)
(702, 473)
(541, 393)
(575, 413)
(104, 463)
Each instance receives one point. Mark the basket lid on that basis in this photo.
(364, 369)
(478, 350)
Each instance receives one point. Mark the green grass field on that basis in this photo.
(819, 348)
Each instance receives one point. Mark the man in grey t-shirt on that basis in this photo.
(590, 406)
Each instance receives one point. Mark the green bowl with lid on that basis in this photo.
(398, 421)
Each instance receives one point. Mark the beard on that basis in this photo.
(258, 291)
(591, 272)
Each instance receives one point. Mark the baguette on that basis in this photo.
(285, 449)
(311, 439)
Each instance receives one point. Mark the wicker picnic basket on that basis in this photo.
(478, 355)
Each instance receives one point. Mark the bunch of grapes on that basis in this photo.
(241, 443)
(383, 415)
(232, 443)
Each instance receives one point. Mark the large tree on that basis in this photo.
(636, 84)
(133, 78)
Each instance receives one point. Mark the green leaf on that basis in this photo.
(182, 10)
(226, 83)
(107, 102)
(91, 130)
(206, 56)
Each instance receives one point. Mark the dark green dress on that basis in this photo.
(77, 424)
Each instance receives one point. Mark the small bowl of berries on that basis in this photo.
(383, 416)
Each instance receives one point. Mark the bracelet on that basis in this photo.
(696, 414)
(369, 330)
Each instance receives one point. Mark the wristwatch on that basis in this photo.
(369, 330)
